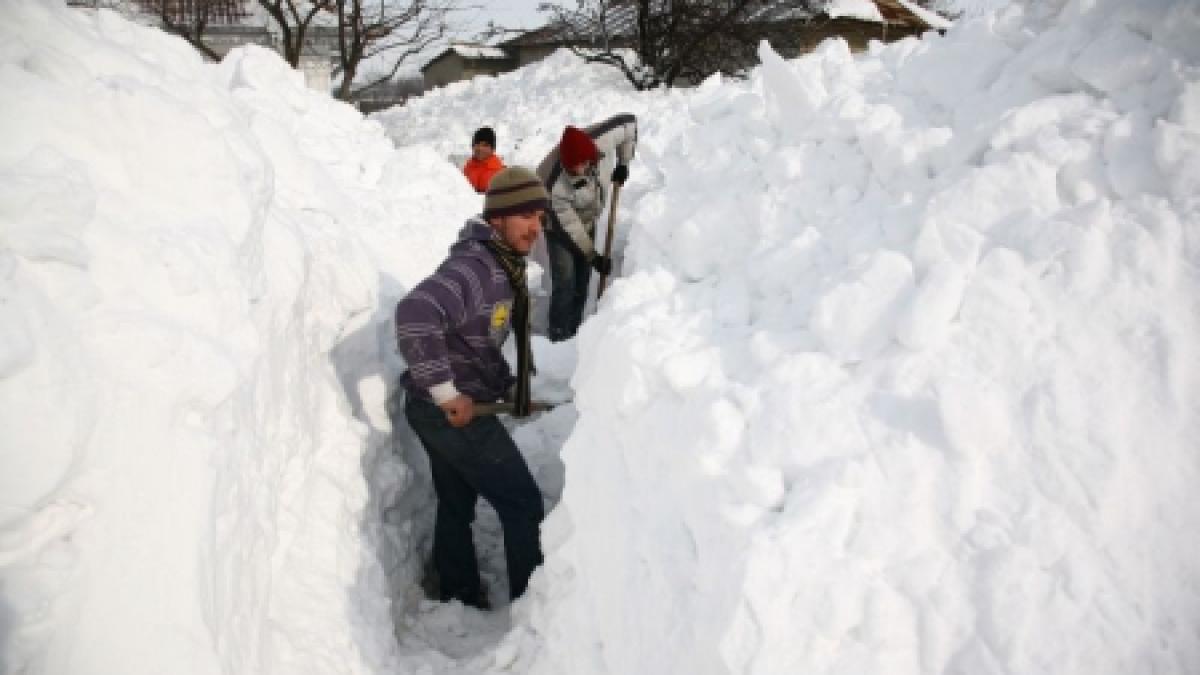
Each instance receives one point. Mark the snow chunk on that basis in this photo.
(789, 93)
(1118, 58)
(855, 320)
(996, 192)
(45, 202)
(934, 304)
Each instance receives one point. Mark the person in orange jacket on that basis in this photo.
(484, 162)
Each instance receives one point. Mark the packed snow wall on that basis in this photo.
(902, 375)
(197, 266)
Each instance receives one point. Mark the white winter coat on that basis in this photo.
(577, 201)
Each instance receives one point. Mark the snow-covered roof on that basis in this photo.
(620, 19)
(933, 19)
(865, 10)
(478, 51)
(472, 52)
(549, 34)
(887, 11)
(501, 36)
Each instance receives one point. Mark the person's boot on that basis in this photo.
(477, 599)
(480, 601)
(431, 582)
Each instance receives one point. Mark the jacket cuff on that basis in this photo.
(443, 392)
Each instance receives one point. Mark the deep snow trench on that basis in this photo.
(900, 375)
(452, 638)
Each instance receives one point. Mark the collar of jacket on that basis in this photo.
(577, 182)
(493, 160)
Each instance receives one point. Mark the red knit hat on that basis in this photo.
(576, 147)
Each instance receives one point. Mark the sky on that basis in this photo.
(506, 13)
(509, 13)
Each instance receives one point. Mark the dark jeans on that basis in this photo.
(570, 274)
(478, 459)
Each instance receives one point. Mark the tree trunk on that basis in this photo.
(344, 89)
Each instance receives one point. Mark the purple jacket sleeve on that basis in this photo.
(423, 318)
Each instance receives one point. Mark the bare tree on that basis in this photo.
(189, 19)
(664, 42)
(391, 31)
(660, 42)
(363, 31)
(294, 19)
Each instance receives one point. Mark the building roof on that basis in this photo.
(537, 36)
(498, 37)
(928, 17)
(893, 12)
(620, 18)
(470, 52)
(480, 52)
(863, 10)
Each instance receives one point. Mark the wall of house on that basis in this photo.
(318, 73)
(527, 55)
(487, 68)
(445, 70)
(453, 68)
(221, 39)
(802, 37)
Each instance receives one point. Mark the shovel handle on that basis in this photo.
(612, 217)
(507, 407)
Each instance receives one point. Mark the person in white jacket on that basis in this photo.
(578, 193)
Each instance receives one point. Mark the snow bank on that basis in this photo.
(968, 8)
(197, 264)
(902, 376)
(528, 108)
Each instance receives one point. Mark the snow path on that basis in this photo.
(451, 639)
(900, 374)
(463, 640)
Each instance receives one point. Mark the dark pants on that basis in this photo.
(570, 274)
(478, 459)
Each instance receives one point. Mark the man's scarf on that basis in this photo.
(513, 264)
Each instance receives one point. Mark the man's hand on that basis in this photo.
(619, 174)
(602, 264)
(459, 410)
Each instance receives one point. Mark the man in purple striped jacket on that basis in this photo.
(449, 329)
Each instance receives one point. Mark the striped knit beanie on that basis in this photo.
(514, 190)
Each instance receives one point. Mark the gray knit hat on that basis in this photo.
(514, 190)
